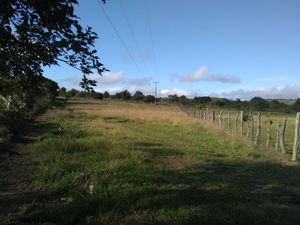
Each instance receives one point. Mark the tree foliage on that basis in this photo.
(35, 33)
(258, 103)
(138, 96)
(296, 105)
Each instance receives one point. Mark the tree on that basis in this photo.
(183, 99)
(62, 92)
(125, 95)
(72, 92)
(138, 96)
(34, 34)
(202, 100)
(106, 94)
(258, 103)
(149, 99)
(97, 95)
(296, 105)
(173, 98)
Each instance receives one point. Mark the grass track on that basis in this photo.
(127, 163)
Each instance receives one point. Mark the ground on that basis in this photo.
(110, 162)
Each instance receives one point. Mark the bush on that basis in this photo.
(23, 98)
(13, 112)
(4, 131)
(149, 99)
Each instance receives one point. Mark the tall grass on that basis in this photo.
(126, 163)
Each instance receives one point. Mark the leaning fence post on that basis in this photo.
(258, 128)
(241, 121)
(269, 123)
(220, 118)
(281, 135)
(294, 157)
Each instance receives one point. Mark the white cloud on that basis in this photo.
(109, 77)
(202, 75)
(177, 91)
(196, 76)
(140, 81)
(150, 91)
(131, 89)
(283, 92)
(111, 90)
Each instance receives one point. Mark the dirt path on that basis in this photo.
(17, 165)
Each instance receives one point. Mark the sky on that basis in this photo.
(223, 48)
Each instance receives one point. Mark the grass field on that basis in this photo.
(134, 163)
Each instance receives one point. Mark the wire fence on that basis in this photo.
(273, 130)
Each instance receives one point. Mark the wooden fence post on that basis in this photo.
(294, 157)
(258, 128)
(241, 121)
(251, 126)
(277, 136)
(236, 122)
(213, 116)
(248, 127)
(268, 132)
(281, 135)
(220, 118)
(228, 123)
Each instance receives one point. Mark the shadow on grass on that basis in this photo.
(115, 119)
(60, 102)
(220, 192)
(83, 102)
(213, 193)
(156, 149)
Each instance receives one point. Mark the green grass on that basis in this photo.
(156, 172)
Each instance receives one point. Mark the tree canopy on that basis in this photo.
(35, 33)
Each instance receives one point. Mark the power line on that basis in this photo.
(120, 38)
(131, 31)
(151, 34)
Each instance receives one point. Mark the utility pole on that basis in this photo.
(156, 82)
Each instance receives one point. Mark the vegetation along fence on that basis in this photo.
(274, 130)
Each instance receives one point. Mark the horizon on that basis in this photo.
(199, 48)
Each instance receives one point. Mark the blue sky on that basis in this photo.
(232, 48)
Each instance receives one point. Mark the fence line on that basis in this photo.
(245, 124)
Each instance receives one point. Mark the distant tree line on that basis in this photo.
(123, 95)
(254, 104)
